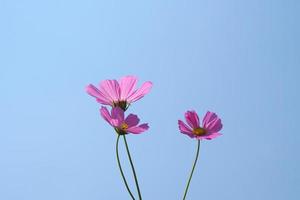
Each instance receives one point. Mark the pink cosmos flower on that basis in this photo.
(211, 125)
(121, 124)
(119, 93)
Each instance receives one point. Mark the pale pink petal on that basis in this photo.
(127, 86)
(192, 119)
(111, 90)
(118, 114)
(142, 91)
(138, 129)
(93, 91)
(209, 116)
(105, 114)
(132, 120)
(185, 129)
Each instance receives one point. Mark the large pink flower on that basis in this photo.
(211, 125)
(119, 93)
(121, 124)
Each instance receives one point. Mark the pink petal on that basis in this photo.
(118, 114)
(214, 126)
(138, 94)
(105, 114)
(192, 119)
(127, 86)
(93, 91)
(209, 116)
(132, 120)
(111, 90)
(209, 137)
(138, 129)
(185, 129)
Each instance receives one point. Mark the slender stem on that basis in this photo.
(121, 170)
(132, 167)
(191, 175)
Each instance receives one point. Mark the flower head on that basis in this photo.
(119, 93)
(121, 124)
(211, 125)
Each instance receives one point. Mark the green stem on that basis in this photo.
(132, 167)
(121, 170)
(191, 175)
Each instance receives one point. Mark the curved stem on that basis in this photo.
(120, 168)
(132, 167)
(191, 175)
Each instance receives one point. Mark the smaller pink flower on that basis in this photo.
(211, 125)
(121, 124)
(119, 93)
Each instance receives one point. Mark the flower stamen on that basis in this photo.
(124, 126)
(199, 131)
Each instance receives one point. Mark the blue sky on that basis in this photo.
(239, 59)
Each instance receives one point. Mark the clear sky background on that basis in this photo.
(237, 58)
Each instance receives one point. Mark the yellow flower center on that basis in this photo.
(124, 126)
(199, 131)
